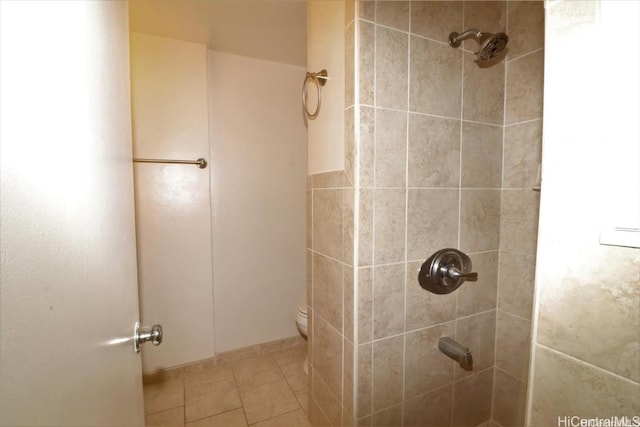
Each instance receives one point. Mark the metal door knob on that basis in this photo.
(143, 334)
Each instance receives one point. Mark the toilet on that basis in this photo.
(301, 323)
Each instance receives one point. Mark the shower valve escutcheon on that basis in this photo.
(445, 271)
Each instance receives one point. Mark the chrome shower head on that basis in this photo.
(492, 46)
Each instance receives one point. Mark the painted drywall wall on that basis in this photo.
(173, 215)
(325, 50)
(586, 343)
(258, 152)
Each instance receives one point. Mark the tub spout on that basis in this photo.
(457, 352)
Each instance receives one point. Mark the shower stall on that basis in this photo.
(442, 150)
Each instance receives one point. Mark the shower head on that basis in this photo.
(492, 46)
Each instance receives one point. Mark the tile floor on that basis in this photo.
(269, 390)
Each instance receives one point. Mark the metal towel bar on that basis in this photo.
(201, 163)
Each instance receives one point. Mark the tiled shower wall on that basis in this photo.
(424, 171)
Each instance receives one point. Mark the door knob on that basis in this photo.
(143, 334)
(444, 271)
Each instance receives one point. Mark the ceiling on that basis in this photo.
(273, 30)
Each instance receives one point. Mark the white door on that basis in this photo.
(68, 293)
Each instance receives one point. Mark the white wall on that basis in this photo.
(173, 215)
(258, 152)
(325, 50)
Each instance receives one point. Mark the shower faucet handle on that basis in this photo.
(445, 271)
(455, 273)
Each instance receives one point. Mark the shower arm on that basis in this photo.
(455, 39)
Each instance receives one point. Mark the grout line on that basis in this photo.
(539, 119)
(513, 315)
(373, 195)
(511, 375)
(525, 54)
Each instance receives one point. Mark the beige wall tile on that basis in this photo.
(390, 417)
(326, 400)
(303, 398)
(431, 409)
(348, 220)
(481, 155)
(526, 26)
(519, 221)
(516, 283)
(332, 179)
(479, 334)
(391, 68)
(268, 400)
(432, 222)
(525, 88)
(522, 154)
(349, 293)
(366, 58)
(316, 416)
(367, 146)
(510, 400)
(309, 277)
(173, 417)
(423, 307)
(388, 372)
(388, 300)
(427, 368)
(391, 148)
(327, 289)
(349, 147)
(483, 97)
(488, 16)
(211, 399)
(472, 399)
(327, 222)
(163, 395)
(327, 358)
(436, 78)
(366, 9)
(436, 19)
(389, 226)
(434, 151)
(348, 383)
(513, 345)
(592, 297)
(594, 392)
(365, 305)
(480, 220)
(233, 418)
(365, 231)
(365, 381)
(476, 297)
(393, 14)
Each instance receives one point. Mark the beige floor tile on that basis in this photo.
(294, 373)
(303, 399)
(163, 395)
(268, 400)
(233, 418)
(292, 419)
(208, 376)
(257, 371)
(211, 399)
(290, 355)
(171, 418)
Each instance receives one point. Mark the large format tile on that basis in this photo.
(164, 395)
(519, 221)
(478, 333)
(295, 376)
(434, 151)
(365, 305)
(516, 283)
(522, 154)
(365, 228)
(431, 409)
(394, 14)
(479, 220)
(436, 19)
(389, 417)
(472, 399)
(391, 148)
(525, 88)
(327, 401)
(327, 289)
(170, 418)
(366, 58)
(388, 300)
(387, 372)
(481, 155)
(364, 386)
(391, 68)
(234, 418)
(510, 400)
(526, 26)
(432, 221)
(366, 146)
(513, 345)
(389, 226)
(436, 78)
(327, 222)
(296, 418)
(327, 358)
(208, 376)
(427, 368)
(268, 400)
(489, 16)
(483, 97)
(211, 399)
(593, 392)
